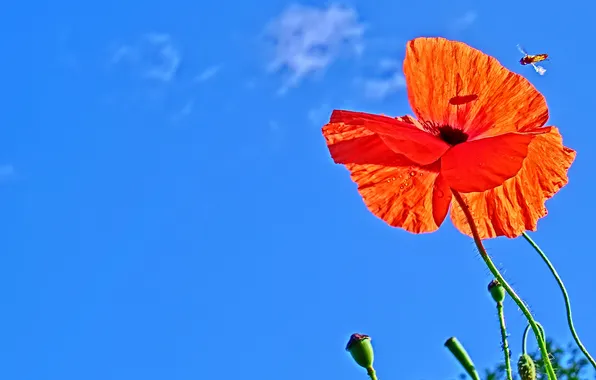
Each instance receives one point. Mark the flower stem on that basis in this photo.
(495, 272)
(504, 340)
(525, 337)
(565, 296)
(371, 373)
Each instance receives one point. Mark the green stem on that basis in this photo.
(461, 355)
(371, 373)
(495, 272)
(565, 296)
(525, 337)
(504, 340)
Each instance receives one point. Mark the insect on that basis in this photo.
(532, 59)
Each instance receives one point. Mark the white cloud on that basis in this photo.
(308, 39)
(164, 55)
(465, 21)
(381, 88)
(155, 56)
(207, 74)
(393, 81)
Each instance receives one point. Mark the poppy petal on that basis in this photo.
(441, 199)
(451, 83)
(357, 145)
(399, 134)
(484, 164)
(403, 197)
(516, 206)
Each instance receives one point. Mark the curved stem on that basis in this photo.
(565, 296)
(371, 373)
(525, 337)
(505, 343)
(495, 272)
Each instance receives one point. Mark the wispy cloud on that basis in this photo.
(163, 57)
(207, 74)
(464, 22)
(184, 112)
(390, 80)
(307, 39)
(150, 76)
(156, 56)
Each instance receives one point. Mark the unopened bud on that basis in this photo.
(361, 350)
(461, 355)
(526, 368)
(496, 291)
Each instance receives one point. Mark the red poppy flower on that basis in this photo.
(479, 130)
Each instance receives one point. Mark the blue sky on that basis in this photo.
(170, 210)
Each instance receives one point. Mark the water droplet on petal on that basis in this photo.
(412, 173)
(440, 193)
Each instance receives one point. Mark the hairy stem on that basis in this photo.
(495, 272)
(504, 342)
(565, 296)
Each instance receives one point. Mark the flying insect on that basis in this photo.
(532, 59)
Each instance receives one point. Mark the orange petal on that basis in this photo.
(450, 83)
(484, 164)
(400, 135)
(414, 199)
(516, 206)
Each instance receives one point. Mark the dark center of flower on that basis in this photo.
(452, 136)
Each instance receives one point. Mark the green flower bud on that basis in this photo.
(361, 350)
(496, 291)
(526, 368)
(461, 355)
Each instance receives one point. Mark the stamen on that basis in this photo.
(451, 135)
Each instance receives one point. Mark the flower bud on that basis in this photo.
(461, 355)
(526, 368)
(361, 350)
(496, 291)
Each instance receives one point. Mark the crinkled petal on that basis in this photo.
(484, 164)
(393, 187)
(415, 199)
(399, 134)
(516, 206)
(451, 83)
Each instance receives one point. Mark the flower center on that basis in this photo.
(447, 133)
(452, 136)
